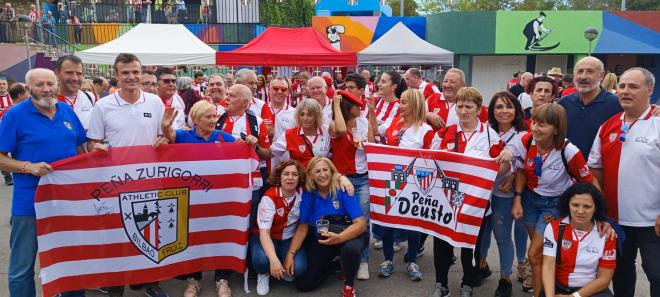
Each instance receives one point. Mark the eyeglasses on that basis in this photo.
(624, 132)
(219, 84)
(280, 89)
(169, 81)
(538, 165)
(146, 84)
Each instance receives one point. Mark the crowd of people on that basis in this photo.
(576, 170)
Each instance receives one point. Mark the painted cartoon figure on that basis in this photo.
(334, 32)
(535, 32)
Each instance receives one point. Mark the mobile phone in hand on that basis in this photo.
(243, 136)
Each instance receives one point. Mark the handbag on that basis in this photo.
(338, 223)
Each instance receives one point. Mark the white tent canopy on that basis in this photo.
(400, 46)
(154, 44)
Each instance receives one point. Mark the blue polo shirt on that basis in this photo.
(28, 135)
(348, 206)
(584, 120)
(191, 136)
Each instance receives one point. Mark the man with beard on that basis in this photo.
(148, 82)
(36, 132)
(166, 90)
(590, 107)
(69, 72)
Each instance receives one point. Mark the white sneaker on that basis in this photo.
(363, 271)
(263, 286)
(378, 244)
(397, 246)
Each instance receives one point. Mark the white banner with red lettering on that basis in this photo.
(443, 194)
(136, 215)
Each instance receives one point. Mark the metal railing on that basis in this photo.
(49, 40)
(85, 33)
(138, 13)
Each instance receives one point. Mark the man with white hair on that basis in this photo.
(248, 77)
(414, 80)
(520, 90)
(36, 132)
(444, 104)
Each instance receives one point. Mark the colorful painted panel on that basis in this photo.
(463, 32)
(545, 32)
(622, 34)
(353, 34)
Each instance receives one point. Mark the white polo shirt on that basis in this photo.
(81, 105)
(124, 124)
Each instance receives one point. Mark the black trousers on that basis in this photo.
(644, 240)
(442, 258)
(319, 262)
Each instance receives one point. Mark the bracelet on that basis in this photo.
(517, 194)
(24, 167)
(576, 294)
(292, 252)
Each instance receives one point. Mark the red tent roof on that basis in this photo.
(286, 47)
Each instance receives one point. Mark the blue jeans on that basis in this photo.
(361, 184)
(520, 237)
(501, 221)
(22, 255)
(399, 235)
(261, 263)
(538, 210)
(388, 244)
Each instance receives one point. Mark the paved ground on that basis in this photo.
(396, 285)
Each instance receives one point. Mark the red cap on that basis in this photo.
(346, 95)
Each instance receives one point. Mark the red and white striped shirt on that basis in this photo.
(260, 109)
(437, 104)
(554, 179)
(582, 253)
(347, 151)
(5, 101)
(622, 163)
(386, 111)
(279, 214)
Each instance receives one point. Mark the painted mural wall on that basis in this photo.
(353, 34)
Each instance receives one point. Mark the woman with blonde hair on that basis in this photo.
(408, 129)
(309, 138)
(610, 83)
(338, 226)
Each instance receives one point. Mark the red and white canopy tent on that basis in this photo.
(286, 47)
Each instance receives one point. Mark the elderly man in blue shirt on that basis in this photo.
(36, 132)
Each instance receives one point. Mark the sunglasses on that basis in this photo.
(169, 81)
(624, 132)
(538, 165)
(280, 89)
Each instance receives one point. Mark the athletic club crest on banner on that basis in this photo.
(443, 194)
(156, 221)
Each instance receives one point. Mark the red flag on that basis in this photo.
(137, 215)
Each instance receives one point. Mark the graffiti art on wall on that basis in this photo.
(353, 34)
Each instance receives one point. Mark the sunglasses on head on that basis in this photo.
(538, 165)
(169, 81)
(624, 132)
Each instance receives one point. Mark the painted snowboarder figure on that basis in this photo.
(534, 30)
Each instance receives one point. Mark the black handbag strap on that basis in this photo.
(560, 236)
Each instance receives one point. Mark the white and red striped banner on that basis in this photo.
(443, 194)
(136, 215)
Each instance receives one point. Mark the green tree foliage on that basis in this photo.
(286, 13)
(438, 6)
(409, 7)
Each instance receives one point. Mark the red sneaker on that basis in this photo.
(348, 291)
